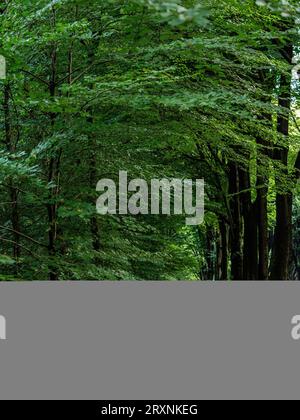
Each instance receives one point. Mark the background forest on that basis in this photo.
(188, 89)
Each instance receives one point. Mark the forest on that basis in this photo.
(187, 89)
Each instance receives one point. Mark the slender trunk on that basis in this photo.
(94, 225)
(53, 171)
(223, 272)
(267, 79)
(51, 208)
(13, 192)
(218, 272)
(283, 231)
(262, 209)
(15, 221)
(210, 249)
(236, 224)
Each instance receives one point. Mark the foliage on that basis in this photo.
(157, 88)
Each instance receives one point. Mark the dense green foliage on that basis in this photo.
(187, 89)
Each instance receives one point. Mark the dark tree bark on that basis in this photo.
(263, 235)
(297, 167)
(249, 211)
(268, 81)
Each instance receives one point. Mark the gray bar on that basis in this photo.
(149, 340)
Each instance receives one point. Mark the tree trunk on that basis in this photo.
(93, 181)
(53, 171)
(13, 192)
(262, 221)
(249, 210)
(236, 224)
(297, 167)
(223, 271)
(283, 232)
(94, 225)
(210, 258)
